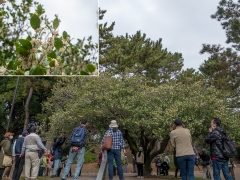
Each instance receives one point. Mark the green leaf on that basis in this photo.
(64, 34)
(52, 55)
(29, 38)
(52, 63)
(35, 21)
(56, 23)
(83, 73)
(38, 70)
(91, 68)
(25, 43)
(40, 10)
(12, 65)
(58, 43)
(22, 51)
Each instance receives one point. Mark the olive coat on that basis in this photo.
(6, 146)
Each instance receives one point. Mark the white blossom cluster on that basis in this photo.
(2, 70)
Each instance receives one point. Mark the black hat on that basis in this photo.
(84, 121)
(178, 122)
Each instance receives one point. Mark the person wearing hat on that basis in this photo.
(118, 144)
(181, 139)
(77, 150)
(5, 149)
(140, 162)
(31, 147)
(19, 161)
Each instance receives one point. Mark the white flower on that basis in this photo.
(61, 50)
(26, 73)
(2, 70)
(56, 63)
(55, 33)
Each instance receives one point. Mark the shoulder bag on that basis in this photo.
(7, 160)
(107, 145)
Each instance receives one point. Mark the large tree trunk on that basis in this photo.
(26, 108)
(148, 145)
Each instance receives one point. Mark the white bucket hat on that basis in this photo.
(113, 124)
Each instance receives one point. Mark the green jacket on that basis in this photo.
(6, 146)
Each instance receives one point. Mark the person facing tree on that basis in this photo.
(219, 161)
(118, 144)
(57, 153)
(19, 161)
(181, 139)
(31, 145)
(78, 142)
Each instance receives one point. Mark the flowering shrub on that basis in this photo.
(44, 51)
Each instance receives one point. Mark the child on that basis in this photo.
(164, 168)
(43, 164)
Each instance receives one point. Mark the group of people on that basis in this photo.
(162, 166)
(29, 151)
(181, 140)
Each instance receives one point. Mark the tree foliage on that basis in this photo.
(144, 113)
(41, 90)
(222, 67)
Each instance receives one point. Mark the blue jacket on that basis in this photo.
(57, 148)
(18, 145)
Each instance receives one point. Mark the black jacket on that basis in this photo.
(214, 138)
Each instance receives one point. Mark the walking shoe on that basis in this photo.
(142, 177)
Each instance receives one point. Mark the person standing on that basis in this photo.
(31, 146)
(78, 141)
(57, 153)
(181, 139)
(177, 168)
(5, 149)
(19, 161)
(134, 164)
(206, 161)
(166, 159)
(158, 163)
(140, 162)
(118, 144)
(125, 164)
(99, 159)
(43, 164)
(219, 161)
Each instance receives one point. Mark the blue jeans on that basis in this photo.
(217, 167)
(186, 164)
(71, 157)
(56, 166)
(116, 154)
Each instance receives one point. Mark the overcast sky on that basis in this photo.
(183, 25)
(78, 17)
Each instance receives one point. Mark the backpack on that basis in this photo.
(229, 148)
(77, 138)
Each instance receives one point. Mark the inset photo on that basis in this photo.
(49, 38)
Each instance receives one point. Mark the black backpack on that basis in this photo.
(228, 146)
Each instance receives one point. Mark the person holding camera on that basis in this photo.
(57, 153)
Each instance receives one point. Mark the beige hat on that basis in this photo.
(113, 124)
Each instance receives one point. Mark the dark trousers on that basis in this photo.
(176, 172)
(19, 163)
(158, 170)
(1, 172)
(140, 169)
(59, 172)
(40, 172)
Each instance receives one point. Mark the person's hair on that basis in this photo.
(217, 121)
(83, 121)
(33, 129)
